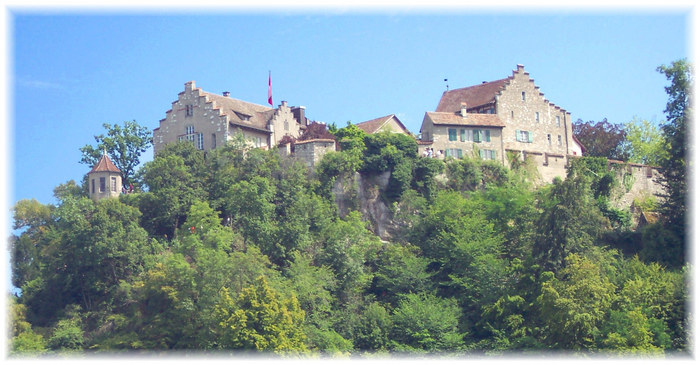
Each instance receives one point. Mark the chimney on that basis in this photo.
(464, 109)
(521, 67)
(189, 85)
(226, 93)
(300, 114)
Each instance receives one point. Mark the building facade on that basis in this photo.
(209, 120)
(525, 123)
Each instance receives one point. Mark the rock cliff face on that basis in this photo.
(364, 194)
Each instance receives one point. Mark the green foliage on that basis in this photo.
(674, 169)
(244, 251)
(258, 319)
(573, 306)
(569, 222)
(646, 143)
(426, 323)
(124, 145)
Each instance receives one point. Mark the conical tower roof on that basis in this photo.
(105, 164)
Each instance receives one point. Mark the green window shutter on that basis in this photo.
(459, 153)
(488, 135)
(447, 152)
(452, 134)
(462, 135)
(529, 137)
(477, 136)
(517, 135)
(481, 154)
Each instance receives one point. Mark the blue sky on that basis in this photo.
(71, 71)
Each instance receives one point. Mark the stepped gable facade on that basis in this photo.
(208, 120)
(520, 120)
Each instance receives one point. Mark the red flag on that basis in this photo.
(269, 89)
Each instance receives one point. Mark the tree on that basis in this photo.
(569, 222)
(124, 144)
(645, 142)
(674, 168)
(426, 323)
(573, 306)
(602, 139)
(258, 319)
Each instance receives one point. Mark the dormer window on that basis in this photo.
(243, 117)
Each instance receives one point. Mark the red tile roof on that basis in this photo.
(472, 119)
(374, 125)
(474, 96)
(105, 164)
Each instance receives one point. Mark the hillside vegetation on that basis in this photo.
(244, 251)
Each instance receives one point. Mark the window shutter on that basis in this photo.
(488, 135)
(447, 152)
(462, 135)
(481, 154)
(529, 137)
(459, 153)
(517, 135)
(477, 136)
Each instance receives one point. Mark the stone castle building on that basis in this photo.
(493, 120)
(503, 120)
(209, 120)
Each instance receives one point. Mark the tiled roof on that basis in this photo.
(238, 111)
(474, 96)
(374, 125)
(472, 119)
(105, 164)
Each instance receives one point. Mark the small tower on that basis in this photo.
(105, 179)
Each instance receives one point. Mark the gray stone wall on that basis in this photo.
(312, 151)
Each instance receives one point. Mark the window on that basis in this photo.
(512, 114)
(537, 116)
(93, 186)
(558, 121)
(452, 134)
(559, 139)
(200, 141)
(549, 139)
(286, 125)
(103, 183)
(453, 152)
(487, 135)
(523, 136)
(477, 136)
(114, 184)
(463, 135)
(522, 95)
(487, 154)
(213, 140)
(189, 110)
(189, 129)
